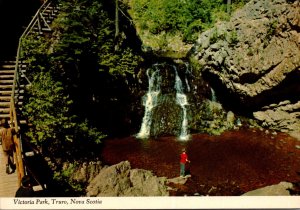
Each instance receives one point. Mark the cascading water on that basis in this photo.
(181, 99)
(150, 101)
(213, 95)
(161, 108)
(186, 80)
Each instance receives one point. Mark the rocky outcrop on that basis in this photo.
(86, 171)
(256, 58)
(121, 180)
(281, 189)
(283, 116)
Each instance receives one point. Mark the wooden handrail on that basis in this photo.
(17, 72)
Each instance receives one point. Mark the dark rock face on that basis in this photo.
(255, 60)
(167, 116)
(86, 172)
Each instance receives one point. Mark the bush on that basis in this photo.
(189, 17)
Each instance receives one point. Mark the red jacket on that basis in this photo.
(183, 158)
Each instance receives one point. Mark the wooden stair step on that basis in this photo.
(8, 60)
(6, 86)
(6, 92)
(7, 71)
(19, 91)
(4, 104)
(22, 66)
(18, 97)
(7, 66)
(4, 98)
(4, 116)
(4, 110)
(23, 122)
(6, 81)
(6, 76)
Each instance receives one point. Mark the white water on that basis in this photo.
(213, 95)
(181, 99)
(186, 80)
(150, 102)
(151, 99)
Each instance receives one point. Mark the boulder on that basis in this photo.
(281, 189)
(121, 180)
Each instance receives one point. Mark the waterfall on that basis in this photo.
(181, 99)
(186, 80)
(156, 99)
(213, 95)
(150, 101)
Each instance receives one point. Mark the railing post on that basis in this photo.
(18, 158)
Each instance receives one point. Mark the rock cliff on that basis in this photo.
(254, 59)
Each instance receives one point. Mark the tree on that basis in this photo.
(117, 19)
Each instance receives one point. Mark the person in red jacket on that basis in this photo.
(183, 160)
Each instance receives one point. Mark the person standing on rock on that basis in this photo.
(8, 146)
(183, 160)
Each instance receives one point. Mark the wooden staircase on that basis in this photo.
(13, 81)
(7, 70)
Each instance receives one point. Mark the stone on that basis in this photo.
(177, 180)
(273, 190)
(121, 180)
(230, 118)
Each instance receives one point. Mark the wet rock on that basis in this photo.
(280, 189)
(178, 180)
(121, 180)
(166, 118)
(230, 119)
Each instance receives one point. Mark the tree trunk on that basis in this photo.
(117, 19)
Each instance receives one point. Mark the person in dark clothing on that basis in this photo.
(8, 145)
(25, 190)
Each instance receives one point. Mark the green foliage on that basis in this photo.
(119, 63)
(52, 123)
(61, 69)
(34, 52)
(65, 176)
(169, 15)
(271, 30)
(232, 37)
(41, 109)
(85, 30)
(192, 31)
(190, 17)
(215, 37)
